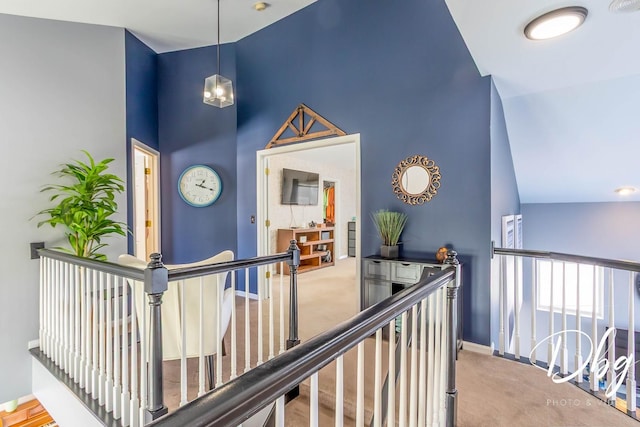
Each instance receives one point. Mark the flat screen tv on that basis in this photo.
(299, 187)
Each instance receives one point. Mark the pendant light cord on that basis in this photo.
(218, 50)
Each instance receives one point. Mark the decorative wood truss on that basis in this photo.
(300, 123)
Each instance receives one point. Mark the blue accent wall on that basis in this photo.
(191, 132)
(142, 106)
(505, 199)
(401, 76)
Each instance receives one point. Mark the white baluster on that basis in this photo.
(95, 348)
(611, 349)
(501, 304)
(234, 338)
(516, 305)
(402, 407)
(593, 381)
(247, 324)
(360, 387)
(339, 414)
(260, 326)
(201, 367)
(86, 329)
(78, 320)
(126, 395)
(431, 359)
(271, 318)
(120, 324)
(44, 300)
(66, 352)
(551, 315)
(391, 383)
(437, 362)
(444, 328)
(109, 381)
(631, 347)
(41, 312)
(422, 372)
(220, 293)
(534, 308)
(279, 411)
(282, 332)
(57, 313)
(134, 402)
(377, 387)
(564, 361)
(144, 340)
(313, 401)
(101, 340)
(413, 379)
(578, 358)
(183, 344)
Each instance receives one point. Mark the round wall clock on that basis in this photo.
(199, 186)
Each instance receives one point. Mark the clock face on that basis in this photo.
(199, 186)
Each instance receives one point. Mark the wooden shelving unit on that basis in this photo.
(313, 251)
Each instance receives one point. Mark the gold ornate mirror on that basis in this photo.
(416, 180)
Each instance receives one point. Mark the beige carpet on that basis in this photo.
(492, 391)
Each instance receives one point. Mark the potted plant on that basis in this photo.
(389, 225)
(85, 204)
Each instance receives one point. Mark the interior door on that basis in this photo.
(146, 230)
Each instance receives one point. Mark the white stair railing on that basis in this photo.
(577, 301)
(101, 324)
(430, 359)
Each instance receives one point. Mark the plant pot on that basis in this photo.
(389, 252)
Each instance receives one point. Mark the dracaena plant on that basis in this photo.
(389, 225)
(85, 204)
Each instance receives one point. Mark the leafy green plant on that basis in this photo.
(389, 225)
(85, 206)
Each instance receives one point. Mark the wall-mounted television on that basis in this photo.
(299, 187)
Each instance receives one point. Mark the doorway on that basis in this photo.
(146, 200)
(267, 178)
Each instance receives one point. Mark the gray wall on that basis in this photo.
(504, 194)
(62, 89)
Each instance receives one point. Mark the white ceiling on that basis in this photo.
(571, 104)
(164, 25)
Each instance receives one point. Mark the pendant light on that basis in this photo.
(218, 90)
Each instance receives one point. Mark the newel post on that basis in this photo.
(156, 282)
(452, 340)
(294, 262)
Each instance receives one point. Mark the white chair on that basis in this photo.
(212, 289)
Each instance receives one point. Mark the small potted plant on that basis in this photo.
(389, 225)
(85, 204)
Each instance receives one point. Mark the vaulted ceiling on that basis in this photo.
(571, 104)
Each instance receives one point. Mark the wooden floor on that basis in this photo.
(27, 414)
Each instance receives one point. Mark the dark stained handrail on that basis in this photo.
(580, 259)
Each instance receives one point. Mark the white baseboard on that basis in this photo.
(477, 348)
(243, 293)
(33, 344)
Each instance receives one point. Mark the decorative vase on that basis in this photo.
(11, 405)
(389, 252)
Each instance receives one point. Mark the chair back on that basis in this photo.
(207, 292)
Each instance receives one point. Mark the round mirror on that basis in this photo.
(416, 180)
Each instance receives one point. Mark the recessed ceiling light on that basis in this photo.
(625, 191)
(260, 6)
(555, 23)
